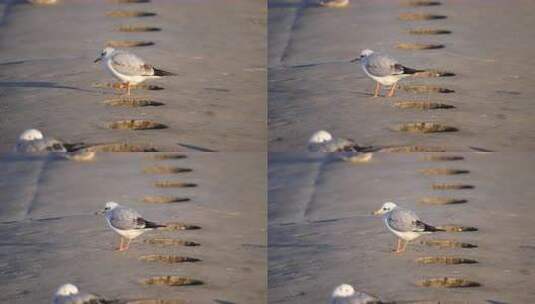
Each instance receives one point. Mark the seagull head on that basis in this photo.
(107, 208)
(105, 53)
(363, 54)
(387, 207)
(343, 291)
(67, 290)
(110, 206)
(31, 134)
(320, 137)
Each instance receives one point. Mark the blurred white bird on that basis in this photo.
(69, 294)
(33, 140)
(323, 141)
(346, 294)
(129, 68)
(383, 69)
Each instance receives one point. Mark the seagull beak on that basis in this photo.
(98, 59)
(100, 211)
(355, 60)
(376, 212)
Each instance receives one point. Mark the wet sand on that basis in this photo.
(312, 86)
(50, 234)
(321, 232)
(217, 48)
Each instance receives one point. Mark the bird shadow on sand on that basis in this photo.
(40, 84)
(196, 148)
(223, 302)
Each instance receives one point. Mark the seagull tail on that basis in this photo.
(411, 71)
(158, 72)
(153, 225)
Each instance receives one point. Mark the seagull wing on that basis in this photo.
(53, 145)
(130, 65)
(335, 145)
(404, 220)
(40, 145)
(357, 298)
(126, 219)
(83, 298)
(382, 65)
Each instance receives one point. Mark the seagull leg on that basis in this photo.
(120, 245)
(127, 243)
(392, 90)
(377, 89)
(128, 88)
(396, 244)
(404, 246)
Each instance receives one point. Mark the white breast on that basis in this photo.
(407, 236)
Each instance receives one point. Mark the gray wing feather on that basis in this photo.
(382, 65)
(335, 145)
(126, 219)
(404, 220)
(131, 65)
(40, 145)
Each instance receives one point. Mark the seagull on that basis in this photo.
(346, 294)
(383, 69)
(69, 294)
(404, 223)
(323, 141)
(127, 222)
(334, 3)
(33, 140)
(128, 68)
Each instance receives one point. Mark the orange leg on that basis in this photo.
(128, 88)
(377, 89)
(120, 245)
(127, 244)
(392, 90)
(396, 245)
(405, 243)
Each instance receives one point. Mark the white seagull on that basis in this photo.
(69, 294)
(346, 294)
(33, 140)
(129, 68)
(127, 222)
(383, 69)
(323, 141)
(404, 223)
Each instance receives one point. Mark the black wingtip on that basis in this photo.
(432, 228)
(158, 72)
(429, 228)
(410, 71)
(153, 225)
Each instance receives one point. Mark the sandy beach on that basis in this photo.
(484, 43)
(322, 233)
(217, 48)
(50, 234)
